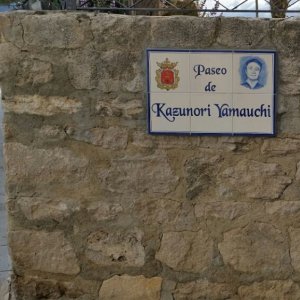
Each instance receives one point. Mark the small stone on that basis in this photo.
(103, 211)
(40, 105)
(270, 290)
(34, 73)
(256, 180)
(114, 138)
(131, 288)
(43, 251)
(136, 174)
(41, 167)
(258, 247)
(116, 248)
(283, 208)
(200, 174)
(280, 146)
(223, 210)
(194, 251)
(203, 290)
(63, 31)
(47, 208)
(295, 247)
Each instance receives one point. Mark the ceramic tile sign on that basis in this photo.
(211, 92)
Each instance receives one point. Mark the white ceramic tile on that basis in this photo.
(168, 112)
(181, 59)
(210, 110)
(259, 111)
(263, 70)
(211, 72)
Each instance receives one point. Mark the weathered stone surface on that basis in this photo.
(121, 107)
(223, 210)
(114, 138)
(200, 174)
(44, 106)
(258, 247)
(34, 73)
(203, 290)
(270, 290)
(63, 31)
(140, 174)
(47, 208)
(295, 247)
(43, 251)
(131, 288)
(256, 179)
(194, 251)
(280, 146)
(232, 32)
(111, 248)
(191, 34)
(42, 288)
(105, 35)
(43, 166)
(283, 208)
(155, 212)
(104, 211)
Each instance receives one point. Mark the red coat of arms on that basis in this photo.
(167, 76)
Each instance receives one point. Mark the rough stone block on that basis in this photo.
(270, 290)
(204, 290)
(115, 248)
(131, 288)
(194, 251)
(43, 106)
(257, 248)
(295, 247)
(256, 180)
(43, 251)
(63, 31)
(136, 174)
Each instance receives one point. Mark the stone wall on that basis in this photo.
(99, 209)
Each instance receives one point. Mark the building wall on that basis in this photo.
(99, 209)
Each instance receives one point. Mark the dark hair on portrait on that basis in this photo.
(255, 60)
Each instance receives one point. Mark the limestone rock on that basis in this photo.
(295, 247)
(194, 251)
(34, 73)
(43, 251)
(42, 288)
(114, 138)
(242, 33)
(131, 288)
(283, 208)
(259, 247)
(125, 248)
(270, 290)
(223, 210)
(47, 208)
(140, 174)
(105, 33)
(280, 146)
(63, 31)
(257, 180)
(41, 167)
(200, 174)
(203, 290)
(39, 105)
(189, 35)
(104, 211)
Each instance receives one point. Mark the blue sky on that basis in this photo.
(250, 4)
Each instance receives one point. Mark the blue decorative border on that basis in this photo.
(212, 133)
